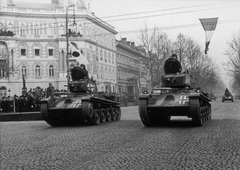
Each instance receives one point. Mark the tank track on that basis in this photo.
(147, 118)
(90, 114)
(200, 111)
(56, 121)
(143, 112)
(44, 112)
(95, 114)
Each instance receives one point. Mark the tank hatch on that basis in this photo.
(172, 66)
(79, 81)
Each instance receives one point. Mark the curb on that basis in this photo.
(24, 116)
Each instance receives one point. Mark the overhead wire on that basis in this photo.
(140, 16)
(174, 13)
(161, 10)
(132, 31)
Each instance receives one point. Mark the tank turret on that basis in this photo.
(173, 76)
(80, 82)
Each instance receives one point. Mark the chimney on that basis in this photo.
(128, 43)
(124, 40)
(133, 44)
(55, 2)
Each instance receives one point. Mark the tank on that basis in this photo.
(175, 97)
(227, 96)
(82, 104)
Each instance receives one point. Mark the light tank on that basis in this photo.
(82, 104)
(227, 96)
(175, 97)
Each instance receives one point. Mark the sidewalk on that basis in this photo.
(17, 116)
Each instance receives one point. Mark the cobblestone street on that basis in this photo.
(126, 144)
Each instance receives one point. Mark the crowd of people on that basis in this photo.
(28, 101)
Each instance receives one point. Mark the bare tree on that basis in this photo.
(233, 54)
(157, 48)
(192, 59)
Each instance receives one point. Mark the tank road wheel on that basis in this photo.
(102, 116)
(96, 117)
(196, 111)
(143, 112)
(113, 114)
(88, 112)
(108, 115)
(200, 114)
(44, 112)
(118, 113)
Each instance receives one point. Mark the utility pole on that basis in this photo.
(67, 53)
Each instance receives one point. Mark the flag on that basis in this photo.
(24, 83)
(209, 25)
(80, 58)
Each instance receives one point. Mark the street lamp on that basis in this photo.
(67, 55)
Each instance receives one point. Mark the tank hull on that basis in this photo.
(77, 109)
(156, 109)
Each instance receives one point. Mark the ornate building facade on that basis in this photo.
(37, 49)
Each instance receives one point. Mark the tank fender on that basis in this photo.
(144, 96)
(86, 98)
(47, 100)
(199, 95)
(192, 95)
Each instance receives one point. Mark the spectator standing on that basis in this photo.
(50, 90)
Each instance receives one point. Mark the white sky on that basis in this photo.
(171, 14)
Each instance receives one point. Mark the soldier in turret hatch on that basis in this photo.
(227, 92)
(174, 64)
(85, 71)
(174, 56)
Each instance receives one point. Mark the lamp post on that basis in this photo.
(67, 55)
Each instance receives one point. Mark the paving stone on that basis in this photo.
(126, 144)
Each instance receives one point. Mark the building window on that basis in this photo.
(36, 30)
(113, 58)
(50, 29)
(3, 68)
(51, 71)
(50, 52)
(24, 70)
(23, 52)
(22, 30)
(37, 52)
(3, 91)
(37, 71)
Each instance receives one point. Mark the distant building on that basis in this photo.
(129, 67)
(37, 47)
